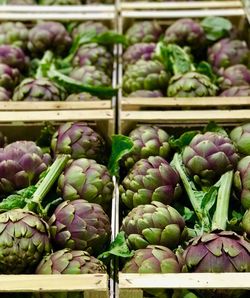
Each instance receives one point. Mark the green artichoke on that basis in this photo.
(14, 33)
(24, 241)
(153, 259)
(14, 57)
(90, 75)
(139, 51)
(38, 90)
(86, 179)
(151, 179)
(96, 55)
(240, 135)
(145, 31)
(208, 156)
(241, 182)
(49, 36)
(227, 52)
(246, 223)
(60, 2)
(21, 163)
(237, 91)
(5, 95)
(185, 32)
(80, 225)
(156, 224)
(149, 140)
(79, 140)
(236, 75)
(9, 77)
(88, 26)
(191, 84)
(83, 96)
(146, 93)
(145, 75)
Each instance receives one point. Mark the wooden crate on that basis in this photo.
(167, 17)
(132, 285)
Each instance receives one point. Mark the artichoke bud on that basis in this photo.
(237, 180)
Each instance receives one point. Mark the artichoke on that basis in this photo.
(14, 33)
(83, 96)
(145, 75)
(246, 223)
(185, 32)
(89, 75)
(9, 77)
(149, 140)
(146, 93)
(151, 179)
(24, 241)
(191, 84)
(145, 31)
(240, 135)
(153, 259)
(79, 140)
(49, 36)
(156, 224)
(96, 55)
(138, 51)
(80, 225)
(60, 2)
(88, 26)
(14, 57)
(86, 179)
(241, 181)
(74, 262)
(208, 156)
(226, 52)
(21, 2)
(38, 90)
(237, 91)
(5, 95)
(21, 163)
(3, 140)
(236, 75)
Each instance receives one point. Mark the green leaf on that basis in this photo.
(216, 27)
(121, 145)
(44, 65)
(44, 139)
(110, 38)
(206, 69)
(209, 199)
(73, 86)
(213, 127)
(183, 141)
(117, 248)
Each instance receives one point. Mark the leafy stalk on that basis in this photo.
(44, 65)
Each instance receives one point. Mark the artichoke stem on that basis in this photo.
(44, 65)
(220, 217)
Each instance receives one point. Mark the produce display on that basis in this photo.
(185, 204)
(55, 202)
(188, 58)
(52, 61)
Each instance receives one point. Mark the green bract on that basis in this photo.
(246, 223)
(240, 135)
(156, 224)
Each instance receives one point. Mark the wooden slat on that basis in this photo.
(180, 5)
(55, 105)
(185, 102)
(186, 280)
(53, 283)
(61, 115)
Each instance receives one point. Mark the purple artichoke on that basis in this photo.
(5, 95)
(21, 163)
(236, 75)
(208, 156)
(226, 52)
(145, 31)
(138, 51)
(49, 36)
(83, 96)
(80, 225)
(9, 77)
(14, 57)
(185, 32)
(79, 140)
(151, 179)
(88, 26)
(146, 93)
(239, 91)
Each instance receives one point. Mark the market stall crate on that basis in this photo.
(174, 122)
(155, 101)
